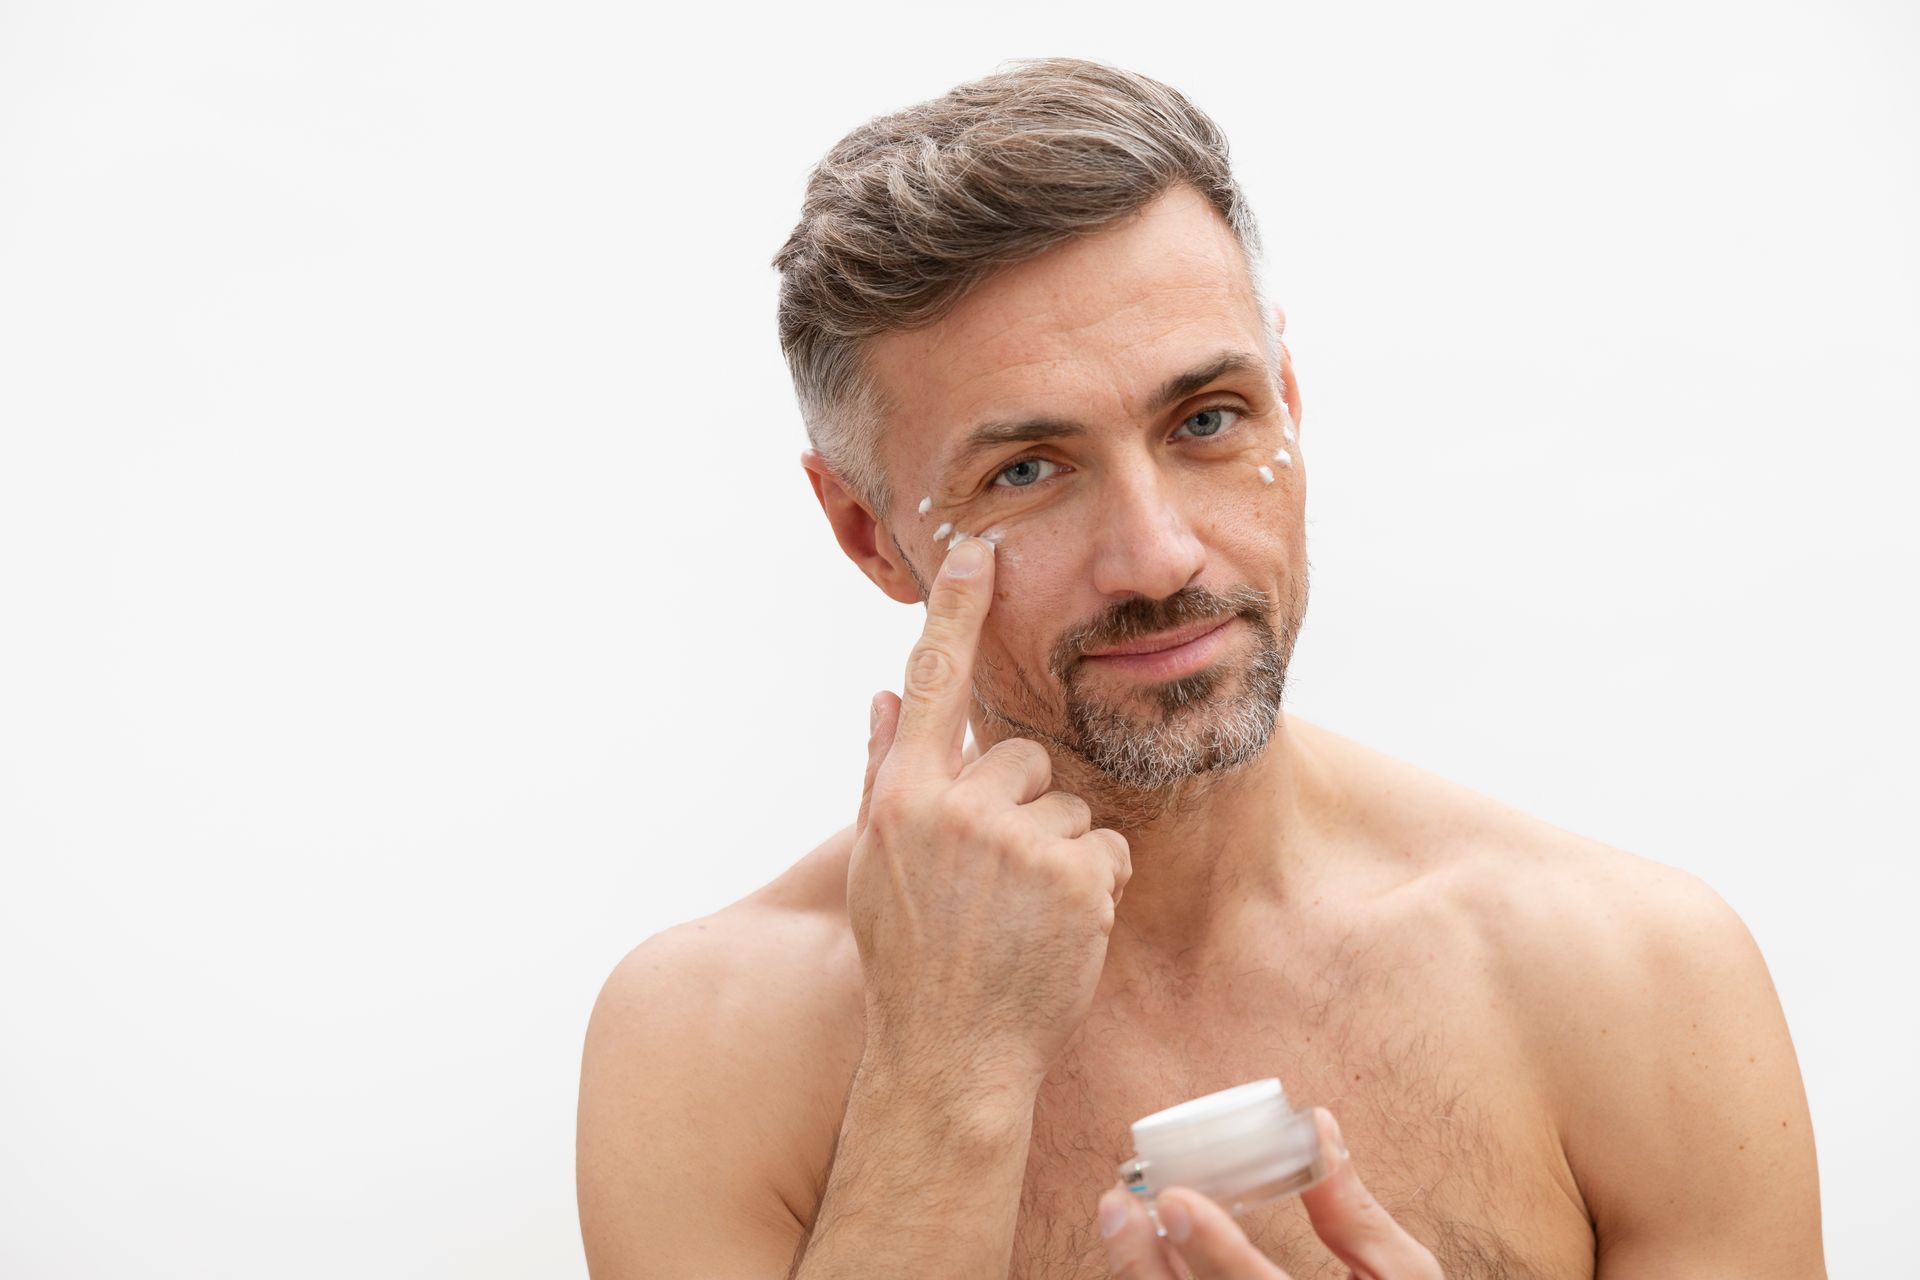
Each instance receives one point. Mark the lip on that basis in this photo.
(1165, 640)
(1169, 654)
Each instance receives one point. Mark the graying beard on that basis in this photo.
(1147, 775)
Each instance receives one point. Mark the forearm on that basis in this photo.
(924, 1183)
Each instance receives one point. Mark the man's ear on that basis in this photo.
(1290, 385)
(859, 534)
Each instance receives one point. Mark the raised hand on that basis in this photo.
(981, 900)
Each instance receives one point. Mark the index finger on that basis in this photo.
(939, 683)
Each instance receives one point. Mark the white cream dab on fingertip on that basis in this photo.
(926, 504)
(944, 529)
(957, 539)
(1266, 474)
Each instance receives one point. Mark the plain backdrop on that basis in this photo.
(410, 597)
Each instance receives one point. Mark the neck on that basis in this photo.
(1213, 855)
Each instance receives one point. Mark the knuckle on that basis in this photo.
(1003, 828)
(1066, 874)
(1077, 812)
(1017, 754)
(962, 813)
(931, 670)
(1031, 753)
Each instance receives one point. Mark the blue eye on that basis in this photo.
(1220, 425)
(1030, 478)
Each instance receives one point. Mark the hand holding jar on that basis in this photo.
(1206, 1160)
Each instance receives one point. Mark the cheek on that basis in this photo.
(1013, 574)
(1242, 516)
(1032, 573)
(1251, 493)
(1270, 462)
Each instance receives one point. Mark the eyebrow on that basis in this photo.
(991, 435)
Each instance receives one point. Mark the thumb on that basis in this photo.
(885, 718)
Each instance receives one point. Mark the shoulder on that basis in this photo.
(708, 1046)
(1651, 1016)
(1595, 943)
(767, 958)
(1549, 904)
(749, 958)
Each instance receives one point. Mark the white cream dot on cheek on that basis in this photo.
(1266, 474)
(1282, 457)
(1287, 431)
(926, 503)
(944, 529)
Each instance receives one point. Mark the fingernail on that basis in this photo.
(967, 559)
(1339, 1144)
(1113, 1214)
(1173, 1216)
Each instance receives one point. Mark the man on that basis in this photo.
(1032, 311)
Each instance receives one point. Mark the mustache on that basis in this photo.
(1134, 619)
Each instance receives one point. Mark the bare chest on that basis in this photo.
(1446, 1126)
(1394, 1022)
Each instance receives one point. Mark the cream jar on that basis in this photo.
(1244, 1147)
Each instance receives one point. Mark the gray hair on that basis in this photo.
(911, 210)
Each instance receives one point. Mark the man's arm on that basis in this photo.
(687, 1094)
(1690, 1135)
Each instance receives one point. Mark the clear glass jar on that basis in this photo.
(1244, 1147)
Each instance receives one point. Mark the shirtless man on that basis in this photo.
(917, 1053)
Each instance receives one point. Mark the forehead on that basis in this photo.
(1098, 323)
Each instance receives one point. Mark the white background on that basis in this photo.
(411, 597)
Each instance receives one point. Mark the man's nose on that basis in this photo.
(1144, 543)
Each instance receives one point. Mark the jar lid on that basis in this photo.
(1211, 1118)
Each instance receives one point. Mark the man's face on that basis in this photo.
(1153, 516)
